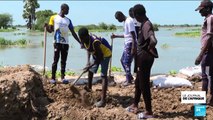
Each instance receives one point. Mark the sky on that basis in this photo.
(94, 12)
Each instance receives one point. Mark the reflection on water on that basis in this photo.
(181, 51)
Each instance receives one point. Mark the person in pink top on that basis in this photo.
(146, 54)
(205, 57)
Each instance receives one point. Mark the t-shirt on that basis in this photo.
(104, 46)
(143, 36)
(128, 28)
(207, 29)
(62, 26)
(136, 23)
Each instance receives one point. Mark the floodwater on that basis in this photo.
(179, 53)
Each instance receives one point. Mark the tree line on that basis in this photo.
(5, 20)
(35, 20)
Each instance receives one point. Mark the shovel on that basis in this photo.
(45, 47)
(76, 80)
(110, 62)
(111, 78)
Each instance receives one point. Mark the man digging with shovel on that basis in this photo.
(101, 54)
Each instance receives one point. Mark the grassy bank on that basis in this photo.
(20, 42)
(72, 73)
(188, 34)
(7, 30)
(58, 74)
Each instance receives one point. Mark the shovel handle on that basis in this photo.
(45, 46)
(110, 62)
(83, 73)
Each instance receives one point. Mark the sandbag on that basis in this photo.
(189, 71)
(166, 82)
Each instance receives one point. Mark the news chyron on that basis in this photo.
(195, 97)
(198, 98)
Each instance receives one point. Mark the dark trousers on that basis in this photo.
(137, 28)
(60, 49)
(135, 63)
(205, 74)
(142, 83)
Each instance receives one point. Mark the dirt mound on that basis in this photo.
(68, 104)
(24, 95)
(21, 93)
(165, 101)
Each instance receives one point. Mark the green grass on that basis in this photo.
(116, 69)
(70, 73)
(20, 42)
(7, 30)
(188, 34)
(97, 30)
(172, 72)
(113, 69)
(194, 29)
(5, 42)
(165, 46)
(58, 74)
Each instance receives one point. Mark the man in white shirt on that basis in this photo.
(61, 25)
(129, 44)
(137, 27)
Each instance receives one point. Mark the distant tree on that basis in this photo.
(30, 7)
(5, 20)
(42, 16)
(112, 27)
(92, 27)
(155, 27)
(103, 25)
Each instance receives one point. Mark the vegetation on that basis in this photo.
(183, 25)
(19, 33)
(116, 69)
(7, 30)
(155, 26)
(21, 42)
(5, 20)
(98, 28)
(165, 46)
(4, 42)
(113, 69)
(188, 34)
(30, 7)
(42, 16)
(194, 29)
(172, 72)
(58, 74)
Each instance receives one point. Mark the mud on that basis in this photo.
(24, 94)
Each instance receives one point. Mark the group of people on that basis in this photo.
(140, 45)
